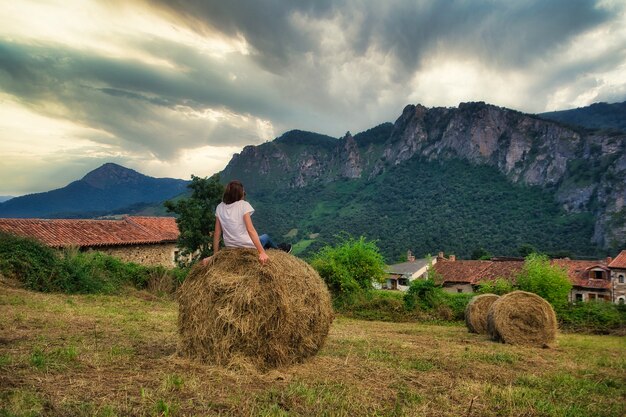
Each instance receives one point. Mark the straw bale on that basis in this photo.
(235, 310)
(476, 312)
(522, 318)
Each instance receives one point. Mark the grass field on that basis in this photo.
(91, 355)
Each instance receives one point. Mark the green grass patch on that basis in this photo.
(301, 246)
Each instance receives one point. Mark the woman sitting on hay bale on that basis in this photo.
(233, 221)
(236, 308)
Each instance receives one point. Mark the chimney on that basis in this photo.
(409, 256)
(452, 258)
(609, 260)
(440, 256)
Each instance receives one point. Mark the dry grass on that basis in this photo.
(476, 312)
(115, 356)
(522, 318)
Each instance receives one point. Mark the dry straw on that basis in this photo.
(237, 312)
(522, 318)
(476, 313)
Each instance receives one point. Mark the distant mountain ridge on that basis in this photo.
(106, 189)
(585, 172)
(4, 198)
(595, 116)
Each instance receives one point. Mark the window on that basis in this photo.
(620, 300)
(620, 279)
(592, 297)
(579, 298)
(459, 290)
(598, 275)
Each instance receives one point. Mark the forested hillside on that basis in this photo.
(595, 116)
(451, 179)
(425, 206)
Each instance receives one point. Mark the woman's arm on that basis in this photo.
(217, 234)
(255, 238)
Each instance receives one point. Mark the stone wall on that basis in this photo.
(619, 288)
(580, 294)
(456, 288)
(155, 254)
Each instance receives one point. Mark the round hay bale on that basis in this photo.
(476, 312)
(236, 310)
(522, 318)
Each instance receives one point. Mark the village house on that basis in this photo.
(591, 280)
(460, 276)
(143, 240)
(399, 276)
(618, 276)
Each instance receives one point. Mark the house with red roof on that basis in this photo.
(143, 240)
(591, 280)
(464, 276)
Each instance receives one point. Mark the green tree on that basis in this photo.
(481, 253)
(526, 249)
(350, 267)
(196, 215)
(499, 286)
(545, 280)
(424, 293)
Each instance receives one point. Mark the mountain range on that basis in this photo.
(451, 179)
(105, 190)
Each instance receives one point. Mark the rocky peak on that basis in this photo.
(110, 175)
(350, 158)
(586, 171)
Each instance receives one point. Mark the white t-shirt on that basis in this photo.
(233, 227)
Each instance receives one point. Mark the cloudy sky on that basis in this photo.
(174, 88)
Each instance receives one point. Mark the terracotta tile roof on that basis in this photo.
(165, 227)
(473, 272)
(619, 261)
(73, 232)
(502, 269)
(578, 272)
(460, 271)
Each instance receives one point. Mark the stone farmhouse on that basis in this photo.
(143, 240)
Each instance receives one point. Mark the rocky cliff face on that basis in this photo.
(585, 171)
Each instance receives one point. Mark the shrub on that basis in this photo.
(500, 286)
(349, 267)
(545, 280)
(41, 268)
(28, 261)
(425, 295)
(457, 304)
(593, 316)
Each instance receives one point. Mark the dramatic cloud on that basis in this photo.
(174, 88)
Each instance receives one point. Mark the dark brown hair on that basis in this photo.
(233, 192)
